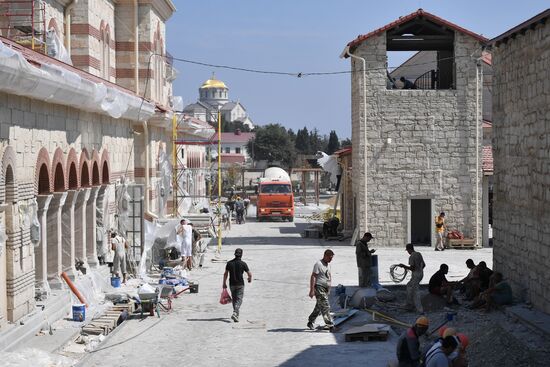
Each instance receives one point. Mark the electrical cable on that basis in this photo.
(398, 276)
(127, 340)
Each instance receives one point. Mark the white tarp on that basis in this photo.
(56, 84)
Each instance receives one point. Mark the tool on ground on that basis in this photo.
(386, 318)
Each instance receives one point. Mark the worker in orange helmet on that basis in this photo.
(408, 345)
(462, 359)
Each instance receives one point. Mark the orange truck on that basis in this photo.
(275, 197)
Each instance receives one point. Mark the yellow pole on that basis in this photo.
(175, 165)
(219, 182)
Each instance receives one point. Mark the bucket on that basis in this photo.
(451, 316)
(79, 312)
(193, 287)
(115, 282)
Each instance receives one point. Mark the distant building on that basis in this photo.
(213, 94)
(234, 147)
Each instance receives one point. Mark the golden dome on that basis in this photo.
(213, 83)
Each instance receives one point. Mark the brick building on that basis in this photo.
(417, 152)
(521, 151)
(70, 133)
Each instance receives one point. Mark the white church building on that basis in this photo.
(213, 94)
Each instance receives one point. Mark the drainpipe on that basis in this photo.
(67, 18)
(136, 45)
(365, 151)
(479, 74)
(147, 168)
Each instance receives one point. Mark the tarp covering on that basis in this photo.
(55, 84)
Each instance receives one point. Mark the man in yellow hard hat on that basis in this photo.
(408, 345)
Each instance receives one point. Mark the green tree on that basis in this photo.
(302, 141)
(333, 143)
(316, 142)
(345, 142)
(272, 143)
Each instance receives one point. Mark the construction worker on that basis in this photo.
(119, 246)
(439, 356)
(440, 228)
(416, 266)
(319, 286)
(408, 345)
(364, 260)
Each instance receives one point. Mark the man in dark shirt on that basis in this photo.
(364, 259)
(484, 275)
(440, 286)
(235, 269)
(408, 346)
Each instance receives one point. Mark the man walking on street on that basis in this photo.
(416, 266)
(364, 260)
(235, 269)
(440, 228)
(319, 286)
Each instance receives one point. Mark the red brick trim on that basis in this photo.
(105, 168)
(72, 161)
(85, 29)
(86, 60)
(129, 46)
(59, 159)
(129, 73)
(84, 169)
(42, 159)
(8, 160)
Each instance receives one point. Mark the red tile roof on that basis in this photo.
(487, 159)
(232, 158)
(406, 18)
(234, 138)
(542, 17)
(343, 152)
(487, 124)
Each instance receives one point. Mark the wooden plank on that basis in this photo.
(342, 318)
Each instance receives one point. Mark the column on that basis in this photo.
(54, 249)
(82, 197)
(100, 220)
(40, 252)
(91, 248)
(485, 211)
(68, 234)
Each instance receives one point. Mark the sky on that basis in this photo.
(303, 36)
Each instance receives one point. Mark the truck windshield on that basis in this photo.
(275, 189)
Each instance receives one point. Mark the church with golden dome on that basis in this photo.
(214, 95)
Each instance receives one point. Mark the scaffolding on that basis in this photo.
(24, 21)
(188, 174)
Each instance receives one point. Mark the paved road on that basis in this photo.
(274, 313)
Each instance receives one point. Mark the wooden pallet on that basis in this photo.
(463, 243)
(369, 332)
(107, 322)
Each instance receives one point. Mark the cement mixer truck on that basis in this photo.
(275, 197)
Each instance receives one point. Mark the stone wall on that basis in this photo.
(432, 154)
(521, 149)
(33, 133)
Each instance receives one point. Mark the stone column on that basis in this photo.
(91, 248)
(54, 239)
(68, 234)
(40, 252)
(82, 197)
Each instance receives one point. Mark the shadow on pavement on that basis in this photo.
(298, 228)
(289, 330)
(222, 319)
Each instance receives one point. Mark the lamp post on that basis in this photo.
(219, 181)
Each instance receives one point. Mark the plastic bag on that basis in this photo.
(225, 298)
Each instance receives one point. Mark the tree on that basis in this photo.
(231, 126)
(333, 143)
(345, 142)
(272, 143)
(316, 142)
(302, 140)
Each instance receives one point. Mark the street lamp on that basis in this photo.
(219, 181)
